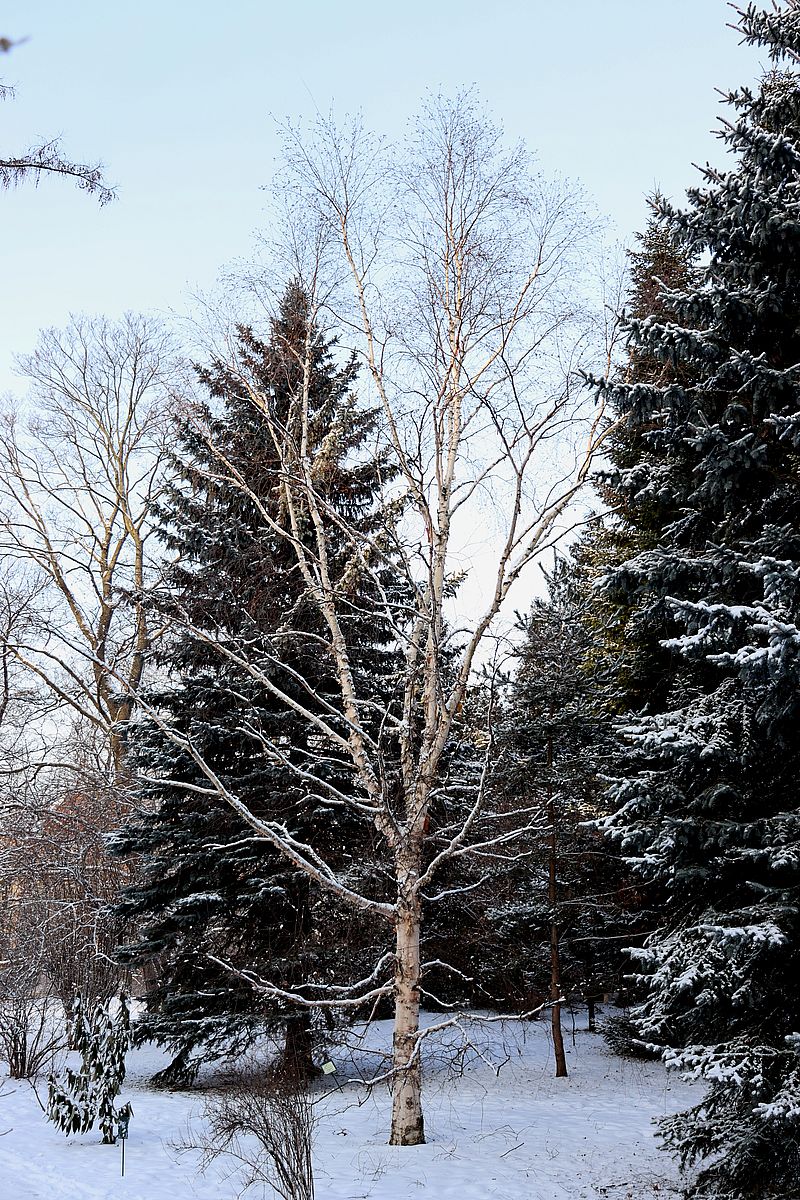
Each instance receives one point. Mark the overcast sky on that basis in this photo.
(180, 101)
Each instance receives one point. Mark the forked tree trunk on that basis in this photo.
(408, 1128)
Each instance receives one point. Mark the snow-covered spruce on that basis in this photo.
(561, 911)
(707, 802)
(205, 888)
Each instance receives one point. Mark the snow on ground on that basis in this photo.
(520, 1134)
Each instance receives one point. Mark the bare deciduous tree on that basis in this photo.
(454, 270)
(78, 481)
(75, 883)
(58, 878)
(20, 699)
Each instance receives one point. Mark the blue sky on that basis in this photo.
(180, 101)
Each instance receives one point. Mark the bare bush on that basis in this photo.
(56, 871)
(29, 1038)
(75, 882)
(262, 1122)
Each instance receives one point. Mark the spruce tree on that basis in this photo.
(206, 889)
(629, 665)
(586, 652)
(571, 897)
(707, 794)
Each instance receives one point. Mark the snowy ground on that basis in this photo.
(520, 1135)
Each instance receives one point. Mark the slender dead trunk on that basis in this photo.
(552, 895)
(408, 1128)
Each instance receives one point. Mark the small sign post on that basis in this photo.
(329, 1068)
(123, 1121)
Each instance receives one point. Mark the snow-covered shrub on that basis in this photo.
(83, 1098)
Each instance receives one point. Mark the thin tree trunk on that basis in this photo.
(555, 957)
(297, 1060)
(150, 977)
(408, 1128)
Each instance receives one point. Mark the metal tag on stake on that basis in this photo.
(329, 1068)
(123, 1121)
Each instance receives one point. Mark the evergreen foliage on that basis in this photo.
(84, 1098)
(707, 795)
(470, 959)
(554, 744)
(206, 889)
(627, 660)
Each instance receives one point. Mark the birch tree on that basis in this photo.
(453, 270)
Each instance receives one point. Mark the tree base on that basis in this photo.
(410, 1134)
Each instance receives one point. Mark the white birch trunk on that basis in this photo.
(408, 1128)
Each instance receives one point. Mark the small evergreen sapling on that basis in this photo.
(84, 1098)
